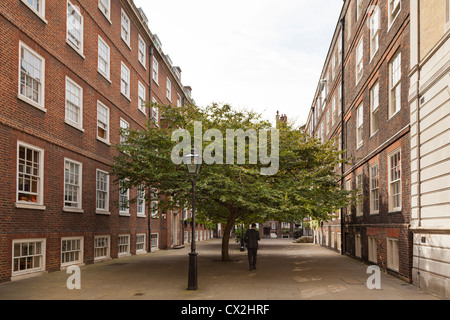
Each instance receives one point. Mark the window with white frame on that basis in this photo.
(126, 27)
(124, 244)
(124, 126)
(447, 19)
(105, 7)
(372, 249)
(394, 7)
(322, 132)
(31, 77)
(72, 184)
(359, 60)
(154, 203)
(155, 70)
(30, 175)
(328, 122)
(179, 101)
(101, 247)
(359, 126)
(102, 122)
(141, 97)
(141, 242)
(102, 191)
(75, 27)
(374, 190)
(141, 200)
(392, 254)
(104, 58)
(358, 245)
(395, 175)
(38, 6)
(169, 89)
(374, 108)
(339, 41)
(333, 110)
(333, 67)
(155, 112)
(340, 149)
(339, 100)
(395, 85)
(125, 81)
(324, 96)
(348, 187)
(155, 240)
(124, 197)
(74, 103)
(71, 251)
(28, 256)
(359, 9)
(374, 23)
(142, 51)
(359, 195)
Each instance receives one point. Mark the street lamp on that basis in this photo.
(193, 164)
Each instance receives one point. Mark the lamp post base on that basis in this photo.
(192, 279)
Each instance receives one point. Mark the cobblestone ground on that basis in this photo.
(285, 271)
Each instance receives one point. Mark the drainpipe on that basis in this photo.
(342, 125)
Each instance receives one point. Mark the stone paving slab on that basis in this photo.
(285, 271)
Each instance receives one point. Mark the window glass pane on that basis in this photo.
(74, 26)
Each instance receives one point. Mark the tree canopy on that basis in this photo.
(232, 190)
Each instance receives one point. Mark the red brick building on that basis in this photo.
(75, 72)
(362, 103)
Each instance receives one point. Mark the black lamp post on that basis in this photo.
(193, 164)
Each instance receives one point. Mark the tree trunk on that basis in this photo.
(226, 236)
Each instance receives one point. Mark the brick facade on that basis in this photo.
(351, 229)
(38, 227)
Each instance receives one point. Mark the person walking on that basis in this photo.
(251, 239)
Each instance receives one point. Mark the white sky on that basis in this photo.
(263, 55)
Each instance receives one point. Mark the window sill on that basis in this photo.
(393, 115)
(74, 125)
(73, 210)
(141, 216)
(106, 17)
(123, 255)
(102, 212)
(128, 98)
(102, 259)
(31, 103)
(67, 265)
(128, 44)
(107, 78)
(39, 14)
(124, 214)
(28, 274)
(22, 205)
(143, 65)
(80, 52)
(104, 141)
(143, 112)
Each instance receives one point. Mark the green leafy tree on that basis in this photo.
(305, 184)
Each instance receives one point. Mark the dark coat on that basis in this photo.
(251, 239)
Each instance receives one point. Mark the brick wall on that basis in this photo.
(393, 132)
(20, 121)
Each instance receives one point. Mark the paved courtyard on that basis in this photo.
(285, 271)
